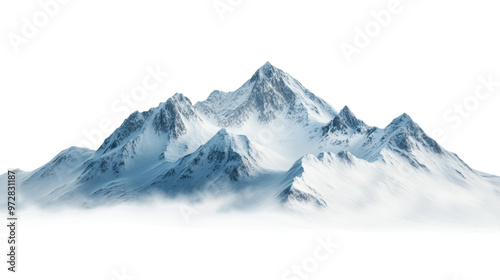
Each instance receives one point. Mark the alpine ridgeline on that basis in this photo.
(270, 143)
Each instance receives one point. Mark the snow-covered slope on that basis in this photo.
(55, 178)
(270, 142)
(165, 133)
(346, 188)
(171, 130)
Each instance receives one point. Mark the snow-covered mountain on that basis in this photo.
(226, 159)
(268, 95)
(274, 142)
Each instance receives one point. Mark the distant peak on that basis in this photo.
(405, 133)
(401, 121)
(267, 65)
(223, 132)
(224, 135)
(216, 94)
(220, 139)
(346, 113)
(344, 120)
(178, 96)
(224, 140)
(74, 149)
(266, 71)
(405, 116)
(269, 94)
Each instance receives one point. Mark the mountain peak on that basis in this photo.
(267, 71)
(269, 94)
(267, 65)
(222, 135)
(179, 98)
(401, 122)
(178, 95)
(173, 115)
(343, 121)
(224, 140)
(223, 131)
(225, 154)
(347, 114)
(405, 134)
(403, 118)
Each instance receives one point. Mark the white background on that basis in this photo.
(64, 79)
(153, 242)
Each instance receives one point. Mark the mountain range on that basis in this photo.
(274, 144)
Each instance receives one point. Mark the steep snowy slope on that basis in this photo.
(55, 177)
(165, 133)
(272, 109)
(350, 189)
(398, 171)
